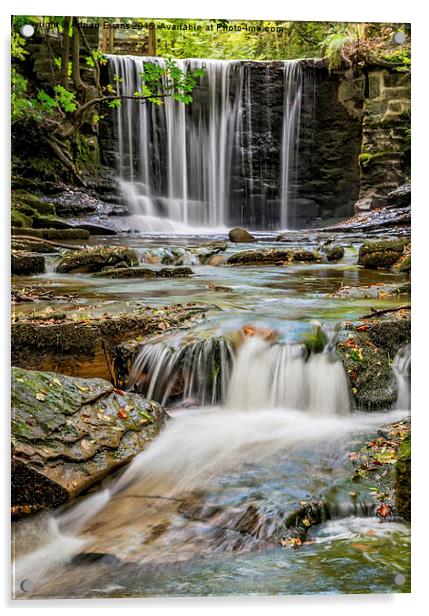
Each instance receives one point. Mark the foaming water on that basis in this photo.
(277, 376)
(402, 370)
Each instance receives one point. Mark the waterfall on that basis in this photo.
(402, 371)
(290, 138)
(281, 376)
(258, 376)
(198, 371)
(209, 164)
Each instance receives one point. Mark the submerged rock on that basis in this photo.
(274, 256)
(145, 272)
(96, 258)
(239, 235)
(384, 254)
(69, 433)
(26, 263)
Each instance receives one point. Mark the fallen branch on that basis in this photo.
(377, 313)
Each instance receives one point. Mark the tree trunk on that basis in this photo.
(65, 53)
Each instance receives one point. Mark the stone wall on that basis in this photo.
(385, 152)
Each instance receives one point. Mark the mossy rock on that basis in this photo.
(96, 258)
(19, 219)
(404, 264)
(403, 479)
(24, 198)
(69, 433)
(368, 369)
(53, 234)
(390, 335)
(333, 253)
(83, 345)
(43, 221)
(26, 263)
(33, 246)
(383, 255)
(144, 272)
(274, 256)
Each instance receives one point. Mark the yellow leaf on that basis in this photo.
(40, 396)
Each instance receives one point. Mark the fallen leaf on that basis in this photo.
(383, 510)
(40, 396)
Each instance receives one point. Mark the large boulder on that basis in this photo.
(239, 235)
(274, 256)
(96, 258)
(69, 433)
(26, 263)
(333, 252)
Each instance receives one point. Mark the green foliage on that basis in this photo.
(332, 48)
(65, 98)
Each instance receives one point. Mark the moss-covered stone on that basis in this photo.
(368, 370)
(53, 234)
(333, 252)
(145, 272)
(274, 256)
(385, 254)
(69, 433)
(96, 258)
(26, 263)
(81, 345)
(403, 479)
(19, 219)
(390, 335)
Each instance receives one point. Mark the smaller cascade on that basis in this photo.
(402, 371)
(281, 376)
(198, 371)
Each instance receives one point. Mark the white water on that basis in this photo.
(175, 161)
(402, 370)
(291, 123)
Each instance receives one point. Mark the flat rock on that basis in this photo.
(274, 256)
(145, 272)
(96, 258)
(26, 263)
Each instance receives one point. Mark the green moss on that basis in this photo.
(367, 158)
(18, 219)
(403, 479)
(52, 234)
(87, 154)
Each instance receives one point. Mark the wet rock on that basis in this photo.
(378, 290)
(43, 221)
(403, 479)
(145, 272)
(400, 197)
(26, 263)
(274, 256)
(239, 235)
(90, 558)
(69, 433)
(95, 229)
(96, 258)
(216, 260)
(368, 369)
(333, 252)
(382, 255)
(64, 342)
(52, 234)
(32, 245)
(390, 335)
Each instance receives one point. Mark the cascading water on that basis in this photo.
(176, 162)
(293, 77)
(198, 371)
(402, 370)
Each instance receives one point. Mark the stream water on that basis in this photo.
(201, 510)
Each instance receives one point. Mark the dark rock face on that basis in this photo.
(96, 258)
(239, 235)
(69, 433)
(27, 263)
(400, 197)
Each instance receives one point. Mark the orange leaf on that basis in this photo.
(122, 414)
(383, 510)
